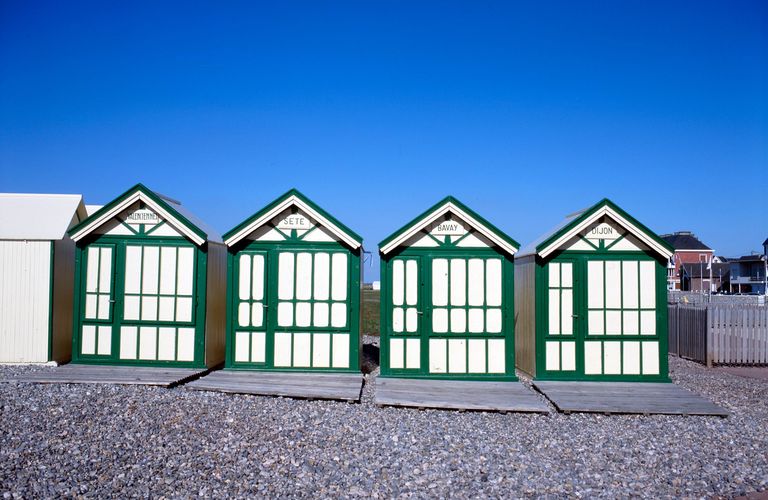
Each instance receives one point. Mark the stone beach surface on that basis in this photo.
(127, 441)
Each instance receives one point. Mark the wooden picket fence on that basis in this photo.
(719, 334)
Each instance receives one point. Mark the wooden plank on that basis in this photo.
(341, 386)
(100, 374)
(626, 397)
(458, 395)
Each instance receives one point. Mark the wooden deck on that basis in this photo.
(340, 386)
(103, 374)
(626, 397)
(458, 395)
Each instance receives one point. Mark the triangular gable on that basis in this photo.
(262, 220)
(156, 204)
(589, 221)
(449, 205)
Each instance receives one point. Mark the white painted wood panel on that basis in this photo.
(322, 275)
(398, 283)
(650, 358)
(166, 344)
(476, 320)
(568, 356)
(303, 314)
(648, 322)
(285, 314)
(244, 283)
(476, 282)
(104, 347)
(493, 320)
(132, 268)
(613, 322)
(567, 311)
(302, 349)
(476, 356)
(458, 320)
(303, 276)
(438, 352)
(25, 306)
(554, 274)
(631, 358)
(244, 314)
(396, 354)
(595, 284)
(339, 314)
(148, 343)
(184, 309)
(186, 344)
(128, 342)
(496, 356)
(493, 282)
(552, 356)
(339, 276)
(411, 319)
(457, 356)
(150, 268)
(631, 323)
(321, 350)
(282, 356)
(413, 354)
(566, 275)
(554, 311)
(596, 322)
(321, 314)
(257, 292)
(593, 358)
(258, 347)
(440, 282)
(613, 284)
(398, 319)
(186, 271)
(411, 282)
(458, 282)
(612, 357)
(285, 276)
(88, 340)
(629, 283)
(242, 346)
(440, 320)
(340, 350)
(168, 270)
(647, 284)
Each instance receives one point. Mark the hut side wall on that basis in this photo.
(216, 305)
(525, 314)
(25, 293)
(63, 293)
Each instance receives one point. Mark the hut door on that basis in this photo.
(407, 311)
(560, 346)
(99, 299)
(251, 310)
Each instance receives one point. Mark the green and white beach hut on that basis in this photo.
(150, 285)
(37, 260)
(447, 285)
(591, 300)
(294, 290)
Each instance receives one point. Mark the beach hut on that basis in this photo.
(447, 280)
(150, 285)
(293, 308)
(294, 289)
(590, 300)
(37, 260)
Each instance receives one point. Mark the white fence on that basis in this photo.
(719, 334)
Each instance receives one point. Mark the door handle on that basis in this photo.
(419, 312)
(574, 315)
(112, 301)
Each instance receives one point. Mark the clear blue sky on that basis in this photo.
(377, 110)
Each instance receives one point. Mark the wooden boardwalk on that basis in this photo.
(458, 395)
(340, 386)
(626, 397)
(104, 374)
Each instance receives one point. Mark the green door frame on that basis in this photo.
(271, 249)
(580, 260)
(426, 255)
(118, 292)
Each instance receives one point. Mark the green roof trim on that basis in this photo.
(589, 212)
(280, 199)
(449, 199)
(149, 194)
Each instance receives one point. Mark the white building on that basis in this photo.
(37, 260)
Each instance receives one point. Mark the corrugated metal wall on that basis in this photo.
(525, 314)
(25, 280)
(216, 305)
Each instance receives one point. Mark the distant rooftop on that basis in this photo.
(684, 240)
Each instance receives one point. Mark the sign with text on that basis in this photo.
(448, 228)
(603, 231)
(294, 221)
(142, 216)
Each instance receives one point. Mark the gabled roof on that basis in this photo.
(177, 216)
(290, 199)
(452, 205)
(579, 221)
(684, 240)
(38, 216)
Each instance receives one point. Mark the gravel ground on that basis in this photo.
(110, 441)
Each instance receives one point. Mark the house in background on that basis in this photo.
(688, 250)
(748, 273)
(697, 277)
